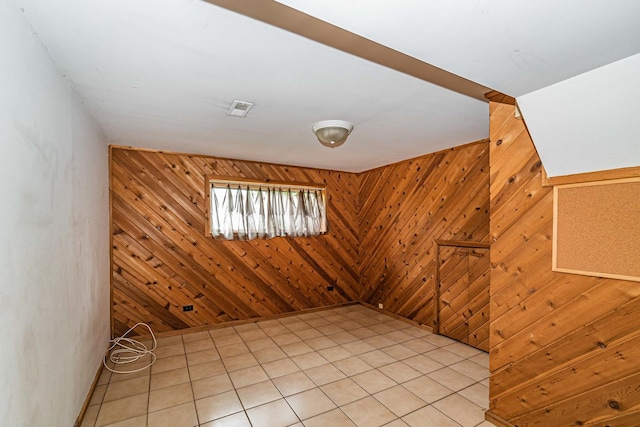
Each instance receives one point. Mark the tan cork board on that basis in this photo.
(596, 229)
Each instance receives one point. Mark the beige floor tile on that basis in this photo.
(104, 377)
(423, 364)
(399, 372)
(169, 350)
(324, 374)
(122, 409)
(177, 416)
(320, 343)
(169, 364)
(462, 350)
(309, 360)
(140, 421)
(218, 406)
(98, 395)
(293, 383)
(200, 345)
(281, 367)
(275, 330)
(419, 346)
(169, 378)
(335, 353)
(221, 332)
(122, 389)
(382, 328)
(240, 362)
(227, 340)
(478, 394)
(399, 352)
(166, 341)
(273, 414)
(435, 417)
(258, 394)
(253, 335)
(269, 354)
(368, 412)
(398, 336)
(363, 333)
(357, 347)
(451, 379)
(443, 356)
(211, 386)
(417, 332)
(308, 334)
(352, 366)
(335, 418)
(399, 400)
(329, 329)
(232, 350)
(204, 370)
(236, 420)
(349, 325)
(195, 336)
(248, 376)
(461, 410)
(122, 375)
(296, 348)
(343, 337)
(344, 391)
(374, 381)
(377, 358)
(427, 389)
(285, 339)
(170, 396)
(481, 359)
(320, 321)
(310, 403)
(202, 356)
(261, 344)
(298, 326)
(438, 340)
(471, 370)
(247, 327)
(398, 423)
(90, 416)
(378, 341)
(289, 320)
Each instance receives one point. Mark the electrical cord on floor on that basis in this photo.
(125, 350)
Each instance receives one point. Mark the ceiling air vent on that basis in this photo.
(239, 108)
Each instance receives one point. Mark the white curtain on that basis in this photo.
(247, 213)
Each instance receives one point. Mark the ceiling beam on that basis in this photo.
(292, 20)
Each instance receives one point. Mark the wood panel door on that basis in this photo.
(463, 297)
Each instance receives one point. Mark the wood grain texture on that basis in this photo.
(405, 207)
(161, 259)
(564, 348)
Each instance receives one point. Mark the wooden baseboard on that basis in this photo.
(496, 420)
(87, 400)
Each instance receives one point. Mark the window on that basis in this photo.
(248, 210)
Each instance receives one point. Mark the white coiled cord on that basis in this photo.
(125, 350)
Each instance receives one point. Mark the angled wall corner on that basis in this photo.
(587, 123)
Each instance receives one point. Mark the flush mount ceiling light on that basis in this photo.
(239, 108)
(332, 133)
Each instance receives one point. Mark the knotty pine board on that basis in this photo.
(161, 259)
(563, 346)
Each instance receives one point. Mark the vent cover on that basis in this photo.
(239, 108)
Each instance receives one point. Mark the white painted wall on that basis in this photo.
(589, 122)
(54, 293)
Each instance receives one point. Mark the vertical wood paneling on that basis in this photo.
(405, 207)
(161, 259)
(564, 348)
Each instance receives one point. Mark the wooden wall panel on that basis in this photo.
(404, 208)
(161, 259)
(564, 348)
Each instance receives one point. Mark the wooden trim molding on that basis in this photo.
(622, 173)
(87, 400)
(496, 420)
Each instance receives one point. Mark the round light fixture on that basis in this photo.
(332, 133)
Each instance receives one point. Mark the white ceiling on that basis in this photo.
(161, 74)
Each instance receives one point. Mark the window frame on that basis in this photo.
(255, 183)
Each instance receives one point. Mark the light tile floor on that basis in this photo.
(346, 366)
